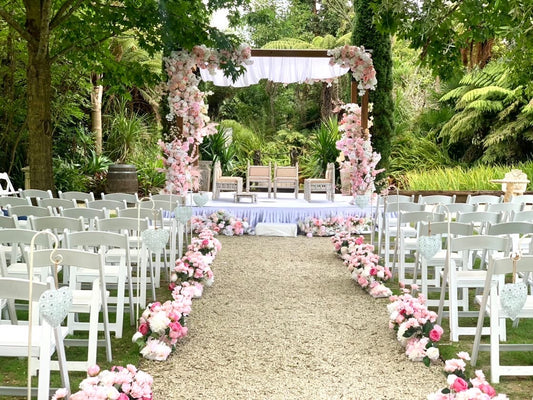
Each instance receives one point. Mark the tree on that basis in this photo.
(366, 34)
(77, 31)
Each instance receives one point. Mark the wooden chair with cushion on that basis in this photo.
(224, 183)
(260, 175)
(286, 177)
(326, 184)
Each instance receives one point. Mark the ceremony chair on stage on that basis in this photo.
(327, 184)
(286, 177)
(260, 175)
(225, 183)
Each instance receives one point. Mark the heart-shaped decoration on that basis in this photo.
(200, 199)
(428, 246)
(155, 240)
(54, 305)
(513, 296)
(183, 214)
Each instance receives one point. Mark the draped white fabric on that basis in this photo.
(280, 70)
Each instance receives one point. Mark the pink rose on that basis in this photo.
(143, 328)
(93, 370)
(459, 385)
(436, 333)
(487, 389)
(123, 396)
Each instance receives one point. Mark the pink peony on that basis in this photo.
(436, 333)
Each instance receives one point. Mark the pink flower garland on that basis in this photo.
(187, 102)
(360, 63)
(357, 148)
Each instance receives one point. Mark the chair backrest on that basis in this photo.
(399, 198)
(20, 241)
(19, 289)
(35, 194)
(259, 171)
(8, 222)
(127, 197)
(442, 228)
(406, 207)
(6, 187)
(480, 216)
(131, 226)
(414, 218)
(57, 224)
(455, 208)
(76, 196)
(217, 170)
(478, 243)
(163, 197)
(164, 205)
(483, 199)
(154, 216)
(25, 211)
(70, 258)
(509, 228)
(107, 204)
(436, 199)
(14, 201)
(56, 203)
(526, 216)
(88, 214)
(523, 199)
(96, 240)
(290, 172)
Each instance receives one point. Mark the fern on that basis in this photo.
(485, 106)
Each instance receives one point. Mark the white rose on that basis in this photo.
(138, 335)
(432, 353)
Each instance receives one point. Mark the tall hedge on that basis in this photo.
(365, 34)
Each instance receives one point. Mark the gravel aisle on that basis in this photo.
(285, 321)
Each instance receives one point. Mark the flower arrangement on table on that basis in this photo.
(355, 145)
(221, 222)
(161, 326)
(121, 383)
(363, 264)
(415, 326)
(360, 63)
(462, 388)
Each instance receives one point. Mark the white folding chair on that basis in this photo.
(34, 194)
(56, 204)
(379, 215)
(116, 274)
(130, 199)
(90, 301)
(506, 209)
(45, 340)
(111, 206)
(524, 216)
(436, 199)
(13, 201)
(491, 306)
(483, 199)
(23, 212)
(462, 279)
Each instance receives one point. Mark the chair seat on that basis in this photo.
(15, 340)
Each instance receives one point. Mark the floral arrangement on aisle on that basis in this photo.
(360, 63)
(462, 388)
(356, 147)
(363, 264)
(205, 243)
(221, 222)
(161, 326)
(193, 266)
(121, 383)
(187, 102)
(314, 226)
(415, 326)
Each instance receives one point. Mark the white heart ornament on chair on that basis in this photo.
(54, 305)
(183, 214)
(513, 296)
(200, 199)
(155, 239)
(428, 246)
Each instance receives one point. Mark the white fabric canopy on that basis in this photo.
(280, 70)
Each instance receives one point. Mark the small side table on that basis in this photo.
(243, 195)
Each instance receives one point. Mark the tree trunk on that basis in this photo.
(96, 111)
(39, 99)
(326, 104)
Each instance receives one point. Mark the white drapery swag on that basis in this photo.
(279, 70)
